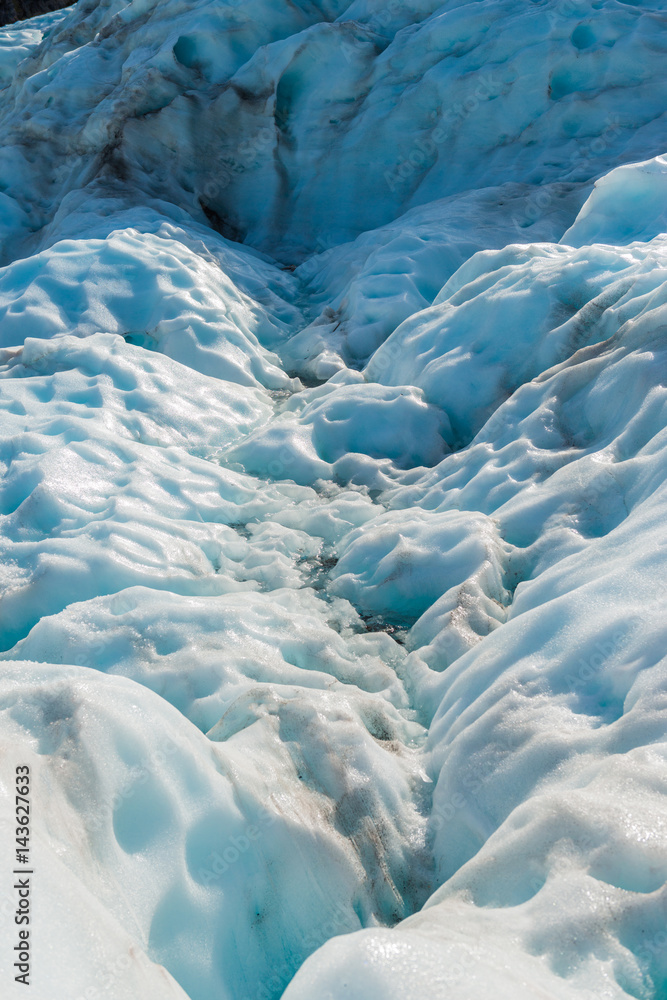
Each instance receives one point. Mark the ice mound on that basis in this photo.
(153, 291)
(349, 430)
(129, 787)
(507, 316)
(248, 115)
(332, 491)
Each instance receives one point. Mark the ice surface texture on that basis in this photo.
(333, 463)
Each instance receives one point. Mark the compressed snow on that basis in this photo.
(507, 316)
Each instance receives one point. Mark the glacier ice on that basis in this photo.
(332, 495)
(627, 204)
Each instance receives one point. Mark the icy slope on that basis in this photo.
(251, 114)
(332, 590)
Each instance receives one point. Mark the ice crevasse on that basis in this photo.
(333, 367)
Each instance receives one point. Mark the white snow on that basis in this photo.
(333, 456)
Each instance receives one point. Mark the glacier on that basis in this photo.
(333, 450)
